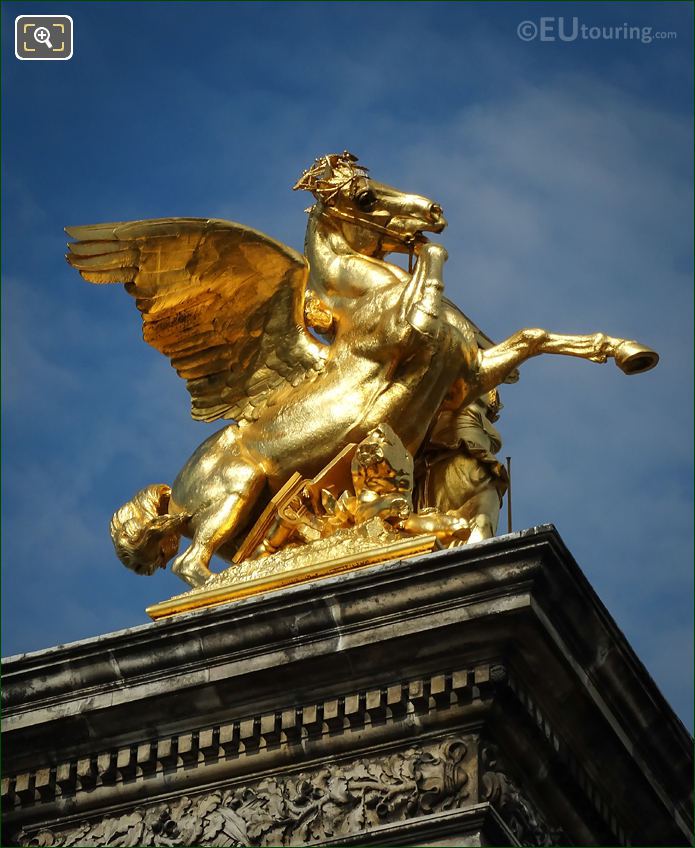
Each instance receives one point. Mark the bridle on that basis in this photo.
(346, 176)
(355, 218)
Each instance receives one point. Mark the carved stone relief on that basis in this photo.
(515, 808)
(291, 809)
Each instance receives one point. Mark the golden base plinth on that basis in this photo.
(367, 544)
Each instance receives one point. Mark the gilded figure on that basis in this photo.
(304, 354)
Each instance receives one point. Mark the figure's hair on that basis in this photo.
(144, 535)
(331, 173)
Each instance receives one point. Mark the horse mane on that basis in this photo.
(330, 174)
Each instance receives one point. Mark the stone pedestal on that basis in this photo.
(475, 696)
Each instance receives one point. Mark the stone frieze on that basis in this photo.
(334, 800)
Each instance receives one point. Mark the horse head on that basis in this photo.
(394, 220)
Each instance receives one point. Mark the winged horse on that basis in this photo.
(305, 354)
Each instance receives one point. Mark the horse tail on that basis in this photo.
(143, 532)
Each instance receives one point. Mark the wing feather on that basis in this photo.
(223, 302)
(105, 261)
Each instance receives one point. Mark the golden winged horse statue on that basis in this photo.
(304, 353)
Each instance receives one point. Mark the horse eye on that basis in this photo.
(366, 200)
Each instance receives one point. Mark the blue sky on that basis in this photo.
(564, 169)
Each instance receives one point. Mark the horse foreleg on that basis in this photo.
(422, 298)
(497, 363)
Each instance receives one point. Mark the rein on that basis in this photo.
(407, 241)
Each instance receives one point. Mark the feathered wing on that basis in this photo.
(224, 302)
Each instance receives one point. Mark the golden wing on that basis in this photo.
(224, 302)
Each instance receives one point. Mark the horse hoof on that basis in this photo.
(634, 358)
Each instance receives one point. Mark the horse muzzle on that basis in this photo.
(436, 215)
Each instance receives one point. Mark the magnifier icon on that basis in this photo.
(43, 36)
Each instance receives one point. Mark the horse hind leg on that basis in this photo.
(213, 526)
